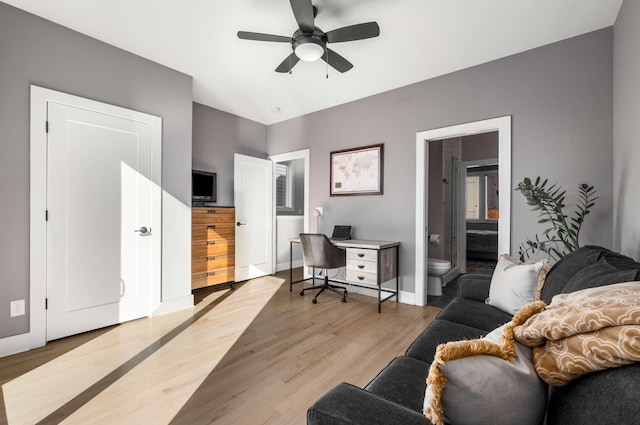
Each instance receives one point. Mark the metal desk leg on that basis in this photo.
(397, 274)
(290, 266)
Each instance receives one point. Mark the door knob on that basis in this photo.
(240, 224)
(143, 230)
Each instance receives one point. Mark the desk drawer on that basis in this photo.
(362, 277)
(362, 254)
(362, 266)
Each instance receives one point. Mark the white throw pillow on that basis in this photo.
(514, 283)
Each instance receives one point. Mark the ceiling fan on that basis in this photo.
(309, 43)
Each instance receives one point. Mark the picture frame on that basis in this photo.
(357, 171)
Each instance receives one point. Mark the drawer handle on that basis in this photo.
(211, 242)
(360, 255)
(211, 274)
(212, 211)
(211, 227)
(360, 266)
(211, 259)
(361, 277)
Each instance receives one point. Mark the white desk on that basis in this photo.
(369, 265)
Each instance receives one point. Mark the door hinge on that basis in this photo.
(46, 303)
(46, 215)
(46, 126)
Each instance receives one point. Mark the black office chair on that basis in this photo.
(319, 252)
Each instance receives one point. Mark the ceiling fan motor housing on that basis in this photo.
(309, 46)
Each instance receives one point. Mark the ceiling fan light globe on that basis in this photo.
(309, 51)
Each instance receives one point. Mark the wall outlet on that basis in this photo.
(17, 308)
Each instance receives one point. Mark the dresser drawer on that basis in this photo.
(213, 215)
(362, 254)
(207, 264)
(210, 248)
(203, 232)
(213, 277)
(362, 265)
(362, 277)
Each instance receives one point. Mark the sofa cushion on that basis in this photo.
(619, 261)
(475, 314)
(566, 268)
(599, 274)
(606, 397)
(440, 331)
(514, 283)
(474, 287)
(347, 404)
(403, 381)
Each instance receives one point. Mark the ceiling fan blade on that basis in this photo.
(303, 11)
(263, 37)
(353, 32)
(337, 61)
(288, 64)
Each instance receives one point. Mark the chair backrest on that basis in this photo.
(318, 251)
(341, 233)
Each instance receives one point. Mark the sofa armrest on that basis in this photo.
(347, 404)
(474, 287)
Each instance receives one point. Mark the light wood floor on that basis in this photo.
(255, 355)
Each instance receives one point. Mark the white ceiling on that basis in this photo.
(419, 39)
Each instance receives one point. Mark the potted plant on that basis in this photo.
(563, 235)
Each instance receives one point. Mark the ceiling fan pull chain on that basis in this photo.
(326, 52)
(290, 66)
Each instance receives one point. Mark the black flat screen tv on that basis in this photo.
(204, 187)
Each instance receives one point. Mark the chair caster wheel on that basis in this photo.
(301, 293)
(314, 301)
(344, 300)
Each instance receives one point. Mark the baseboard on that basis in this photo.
(285, 266)
(176, 304)
(19, 343)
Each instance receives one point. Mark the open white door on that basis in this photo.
(99, 228)
(253, 199)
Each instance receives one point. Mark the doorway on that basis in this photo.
(500, 125)
(291, 187)
(462, 195)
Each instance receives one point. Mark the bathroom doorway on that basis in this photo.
(463, 203)
(452, 240)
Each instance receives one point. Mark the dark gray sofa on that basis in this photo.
(396, 394)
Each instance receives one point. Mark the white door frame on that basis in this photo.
(303, 154)
(503, 126)
(36, 336)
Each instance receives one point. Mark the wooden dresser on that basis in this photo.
(213, 246)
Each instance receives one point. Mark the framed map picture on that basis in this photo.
(357, 171)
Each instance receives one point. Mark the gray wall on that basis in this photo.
(626, 142)
(560, 97)
(480, 146)
(36, 51)
(217, 136)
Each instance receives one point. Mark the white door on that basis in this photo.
(253, 193)
(99, 235)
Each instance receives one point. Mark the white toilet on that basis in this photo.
(436, 268)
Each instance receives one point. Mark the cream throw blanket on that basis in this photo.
(584, 331)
